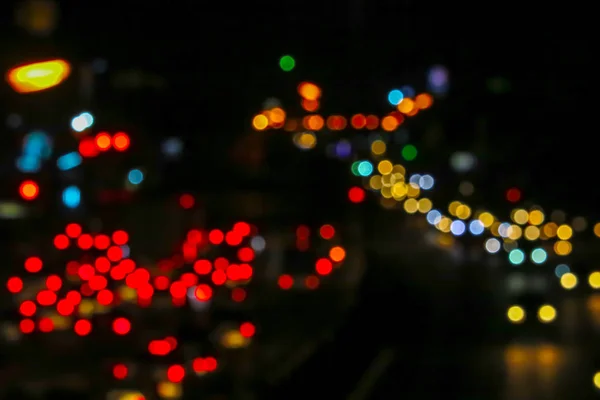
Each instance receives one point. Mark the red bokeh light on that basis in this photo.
(14, 284)
(323, 266)
(82, 327)
(120, 371)
(120, 237)
(54, 283)
(356, 194)
(203, 292)
(216, 236)
(247, 329)
(121, 326)
(45, 325)
(87, 147)
(187, 201)
(285, 282)
(327, 232)
(238, 294)
(27, 325)
(175, 373)
(61, 242)
(29, 190)
(27, 308)
(101, 242)
(513, 195)
(311, 282)
(159, 347)
(73, 230)
(85, 241)
(33, 264)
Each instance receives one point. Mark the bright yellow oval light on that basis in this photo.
(38, 76)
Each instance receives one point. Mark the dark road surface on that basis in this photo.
(401, 341)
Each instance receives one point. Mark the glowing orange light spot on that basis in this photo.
(423, 101)
(121, 141)
(277, 116)
(309, 91)
(337, 254)
(389, 123)
(406, 106)
(103, 141)
(29, 190)
(38, 76)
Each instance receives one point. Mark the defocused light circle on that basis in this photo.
(492, 245)
(539, 256)
(395, 97)
(516, 256)
(457, 227)
(476, 227)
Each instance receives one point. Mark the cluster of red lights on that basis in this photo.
(103, 264)
(323, 266)
(102, 142)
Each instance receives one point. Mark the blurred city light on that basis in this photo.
(38, 76)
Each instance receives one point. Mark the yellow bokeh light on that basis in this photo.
(568, 281)
(564, 232)
(86, 308)
(563, 248)
(400, 189)
(260, 122)
(546, 313)
(411, 206)
(536, 217)
(38, 76)
(453, 207)
(516, 314)
(597, 229)
(169, 390)
(378, 147)
(463, 211)
(550, 229)
(413, 190)
(385, 167)
(375, 182)
(532, 233)
(444, 224)
(425, 205)
(515, 232)
(406, 106)
(399, 169)
(520, 216)
(305, 140)
(486, 219)
(233, 339)
(594, 280)
(597, 380)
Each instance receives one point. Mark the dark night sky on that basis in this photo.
(221, 62)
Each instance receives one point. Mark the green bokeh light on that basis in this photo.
(287, 63)
(409, 152)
